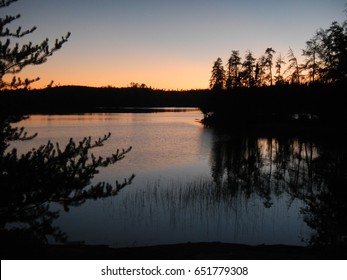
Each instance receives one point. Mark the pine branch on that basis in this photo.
(5, 3)
(14, 58)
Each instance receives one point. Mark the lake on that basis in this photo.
(197, 184)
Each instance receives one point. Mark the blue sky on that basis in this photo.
(165, 44)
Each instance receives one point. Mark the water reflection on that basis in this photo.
(312, 170)
(261, 190)
(242, 188)
(266, 166)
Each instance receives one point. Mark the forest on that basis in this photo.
(272, 90)
(324, 56)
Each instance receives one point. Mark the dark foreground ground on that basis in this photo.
(197, 251)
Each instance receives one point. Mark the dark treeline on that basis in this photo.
(325, 61)
(312, 103)
(269, 89)
(71, 99)
(250, 90)
(291, 106)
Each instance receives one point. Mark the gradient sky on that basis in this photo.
(164, 44)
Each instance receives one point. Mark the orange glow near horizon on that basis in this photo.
(168, 74)
(194, 82)
(156, 70)
(163, 44)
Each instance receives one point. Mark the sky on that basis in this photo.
(166, 44)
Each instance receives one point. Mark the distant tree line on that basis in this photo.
(325, 61)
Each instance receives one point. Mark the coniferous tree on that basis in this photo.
(311, 53)
(229, 77)
(14, 57)
(269, 52)
(233, 79)
(259, 72)
(293, 68)
(217, 75)
(248, 70)
(333, 52)
(29, 182)
(278, 65)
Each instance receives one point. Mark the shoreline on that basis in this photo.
(181, 251)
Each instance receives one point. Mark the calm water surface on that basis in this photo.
(192, 183)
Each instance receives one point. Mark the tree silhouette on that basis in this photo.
(248, 69)
(259, 72)
(311, 53)
(293, 67)
(217, 75)
(325, 62)
(279, 78)
(305, 169)
(333, 51)
(233, 79)
(30, 182)
(269, 52)
(13, 58)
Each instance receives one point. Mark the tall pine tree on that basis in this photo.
(29, 182)
(217, 75)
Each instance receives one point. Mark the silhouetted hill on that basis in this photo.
(75, 99)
